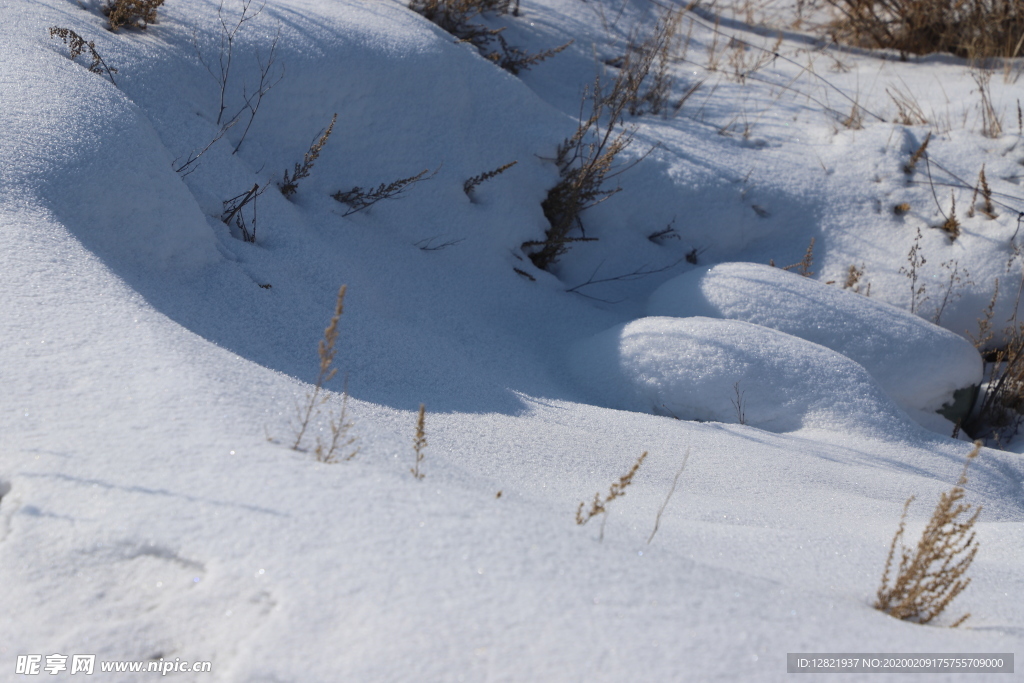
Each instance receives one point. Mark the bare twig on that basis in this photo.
(675, 480)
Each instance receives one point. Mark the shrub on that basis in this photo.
(132, 13)
(1000, 406)
(457, 17)
(233, 211)
(930, 577)
(972, 29)
(586, 161)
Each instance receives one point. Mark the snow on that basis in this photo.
(703, 369)
(918, 364)
(150, 505)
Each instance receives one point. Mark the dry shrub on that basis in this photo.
(973, 29)
(458, 18)
(587, 160)
(931, 576)
(1000, 407)
(132, 13)
(234, 211)
(646, 62)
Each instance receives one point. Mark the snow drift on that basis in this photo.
(706, 369)
(920, 365)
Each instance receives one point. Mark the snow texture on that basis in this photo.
(151, 507)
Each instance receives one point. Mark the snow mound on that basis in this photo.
(692, 369)
(919, 364)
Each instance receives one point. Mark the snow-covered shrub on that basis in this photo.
(928, 578)
(967, 28)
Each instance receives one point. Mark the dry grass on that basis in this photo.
(132, 13)
(326, 349)
(991, 123)
(951, 225)
(77, 45)
(982, 188)
(1000, 406)
(931, 576)
(472, 183)
(419, 442)
(909, 167)
(618, 489)
(358, 198)
(290, 184)
(973, 29)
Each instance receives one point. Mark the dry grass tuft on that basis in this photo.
(908, 167)
(419, 442)
(358, 198)
(132, 13)
(473, 182)
(986, 197)
(290, 184)
(931, 576)
(973, 29)
(339, 447)
(77, 45)
(617, 490)
(951, 226)
(803, 266)
(991, 123)
(326, 350)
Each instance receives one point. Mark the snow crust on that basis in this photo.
(918, 364)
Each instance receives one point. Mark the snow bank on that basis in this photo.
(919, 364)
(692, 369)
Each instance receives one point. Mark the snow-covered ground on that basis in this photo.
(152, 360)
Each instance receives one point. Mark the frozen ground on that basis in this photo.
(152, 360)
